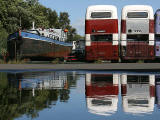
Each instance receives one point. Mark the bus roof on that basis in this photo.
(157, 12)
(101, 8)
(137, 8)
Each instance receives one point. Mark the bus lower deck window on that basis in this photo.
(133, 38)
(105, 38)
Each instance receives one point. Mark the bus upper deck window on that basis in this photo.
(101, 15)
(137, 15)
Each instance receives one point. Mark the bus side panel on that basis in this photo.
(105, 90)
(101, 26)
(152, 52)
(157, 34)
(157, 24)
(90, 52)
(139, 51)
(102, 51)
(138, 26)
(151, 26)
(123, 26)
(157, 47)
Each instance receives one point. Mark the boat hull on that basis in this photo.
(21, 47)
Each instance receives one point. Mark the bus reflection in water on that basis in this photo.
(158, 91)
(102, 93)
(138, 93)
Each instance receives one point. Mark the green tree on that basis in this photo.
(40, 17)
(32, 2)
(72, 34)
(3, 42)
(52, 18)
(64, 20)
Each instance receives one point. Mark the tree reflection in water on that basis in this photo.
(29, 93)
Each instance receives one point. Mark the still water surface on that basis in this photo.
(79, 95)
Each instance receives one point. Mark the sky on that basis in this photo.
(77, 8)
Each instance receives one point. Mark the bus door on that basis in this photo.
(137, 34)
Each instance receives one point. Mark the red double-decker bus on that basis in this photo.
(101, 33)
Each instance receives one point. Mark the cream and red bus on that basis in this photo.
(137, 32)
(101, 33)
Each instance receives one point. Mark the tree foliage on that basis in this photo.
(64, 20)
(3, 39)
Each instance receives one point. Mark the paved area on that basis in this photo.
(104, 66)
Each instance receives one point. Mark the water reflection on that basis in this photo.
(102, 93)
(138, 93)
(28, 93)
(109, 95)
(158, 91)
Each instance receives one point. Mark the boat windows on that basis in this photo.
(33, 31)
(98, 38)
(101, 15)
(137, 15)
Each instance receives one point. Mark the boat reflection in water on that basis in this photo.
(138, 93)
(50, 80)
(102, 93)
(40, 80)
